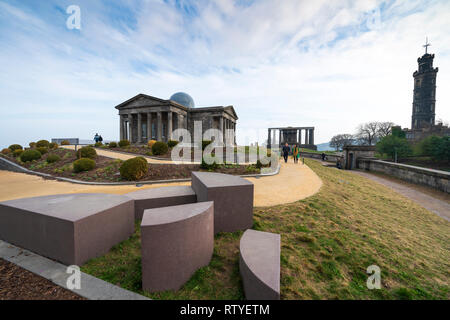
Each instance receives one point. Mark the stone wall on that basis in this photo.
(330, 158)
(432, 178)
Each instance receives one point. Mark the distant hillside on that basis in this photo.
(324, 147)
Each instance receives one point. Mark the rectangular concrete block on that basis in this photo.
(232, 197)
(70, 228)
(161, 197)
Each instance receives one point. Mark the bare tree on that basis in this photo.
(367, 133)
(384, 129)
(341, 140)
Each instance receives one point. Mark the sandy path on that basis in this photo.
(294, 182)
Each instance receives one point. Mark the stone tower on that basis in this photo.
(424, 100)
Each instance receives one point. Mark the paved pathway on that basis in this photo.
(294, 182)
(433, 204)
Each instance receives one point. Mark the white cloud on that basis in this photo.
(296, 63)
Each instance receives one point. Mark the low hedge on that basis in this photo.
(112, 145)
(52, 158)
(42, 150)
(124, 143)
(87, 152)
(65, 143)
(53, 145)
(83, 164)
(159, 148)
(42, 143)
(15, 147)
(30, 155)
(172, 143)
(134, 169)
(6, 151)
(151, 143)
(98, 144)
(17, 152)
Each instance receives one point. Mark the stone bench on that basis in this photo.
(175, 242)
(161, 197)
(232, 196)
(70, 228)
(259, 265)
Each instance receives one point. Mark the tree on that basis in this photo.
(391, 145)
(442, 150)
(341, 140)
(384, 129)
(371, 132)
(367, 133)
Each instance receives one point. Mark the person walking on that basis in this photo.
(100, 139)
(286, 151)
(96, 137)
(295, 153)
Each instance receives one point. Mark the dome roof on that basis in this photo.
(183, 99)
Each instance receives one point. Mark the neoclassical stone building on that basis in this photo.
(144, 117)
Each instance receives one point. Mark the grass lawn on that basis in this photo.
(328, 241)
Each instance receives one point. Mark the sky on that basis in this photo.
(327, 64)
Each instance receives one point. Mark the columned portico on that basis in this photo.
(291, 135)
(144, 117)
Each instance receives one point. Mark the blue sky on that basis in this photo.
(328, 64)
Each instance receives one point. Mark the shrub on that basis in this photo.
(42, 143)
(205, 143)
(87, 152)
(65, 143)
(6, 151)
(124, 143)
(17, 152)
(172, 143)
(159, 148)
(53, 158)
(83, 164)
(134, 168)
(151, 143)
(53, 145)
(30, 155)
(32, 145)
(112, 144)
(14, 147)
(42, 150)
(211, 167)
(98, 144)
(393, 144)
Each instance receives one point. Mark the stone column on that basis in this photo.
(139, 125)
(221, 128)
(268, 138)
(121, 127)
(149, 126)
(130, 125)
(306, 136)
(234, 133)
(279, 137)
(311, 137)
(169, 125)
(300, 136)
(159, 129)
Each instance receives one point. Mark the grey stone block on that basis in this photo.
(259, 265)
(161, 197)
(175, 242)
(70, 228)
(232, 196)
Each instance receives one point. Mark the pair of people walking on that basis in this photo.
(295, 152)
(98, 138)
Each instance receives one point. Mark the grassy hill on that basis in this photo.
(328, 241)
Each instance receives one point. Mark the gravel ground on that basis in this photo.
(19, 284)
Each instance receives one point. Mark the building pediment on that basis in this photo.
(142, 100)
